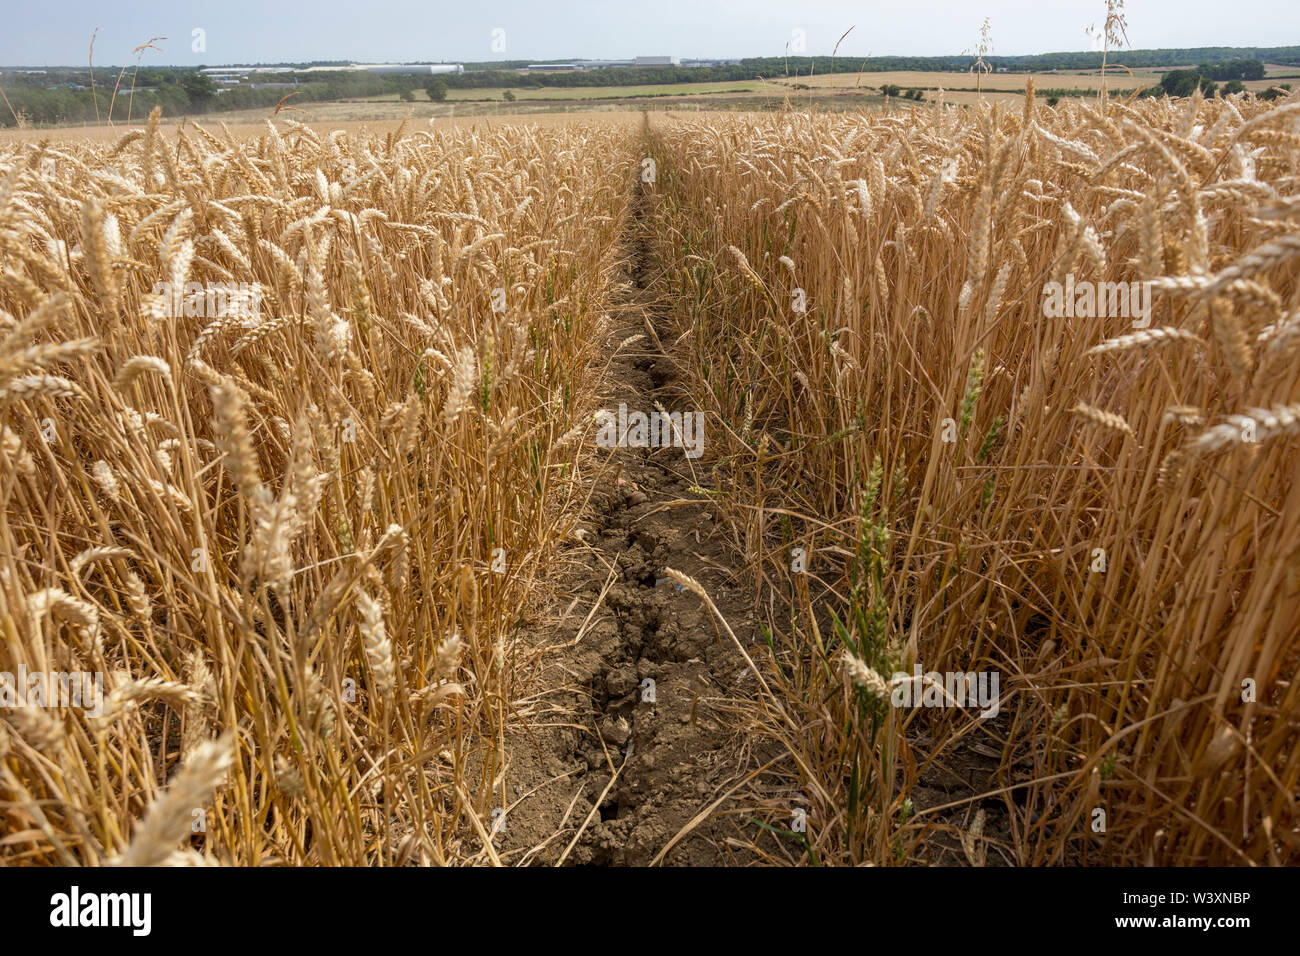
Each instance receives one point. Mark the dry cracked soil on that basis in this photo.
(645, 743)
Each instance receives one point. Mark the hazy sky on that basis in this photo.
(57, 32)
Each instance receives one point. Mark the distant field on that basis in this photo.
(242, 124)
(1015, 82)
(599, 92)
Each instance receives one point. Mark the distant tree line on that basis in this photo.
(1225, 60)
(64, 96)
(1206, 78)
(1249, 69)
(896, 91)
(1082, 60)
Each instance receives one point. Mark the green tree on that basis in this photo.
(437, 90)
(198, 87)
(1185, 82)
(1240, 69)
(508, 96)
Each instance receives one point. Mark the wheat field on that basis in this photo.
(295, 423)
(270, 521)
(1106, 515)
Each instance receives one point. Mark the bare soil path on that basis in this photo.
(641, 742)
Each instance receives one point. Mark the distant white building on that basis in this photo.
(403, 69)
(409, 69)
(611, 64)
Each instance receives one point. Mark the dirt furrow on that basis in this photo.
(645, 740)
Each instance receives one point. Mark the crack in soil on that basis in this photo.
(644, 735)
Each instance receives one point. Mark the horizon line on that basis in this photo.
(777, 56)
